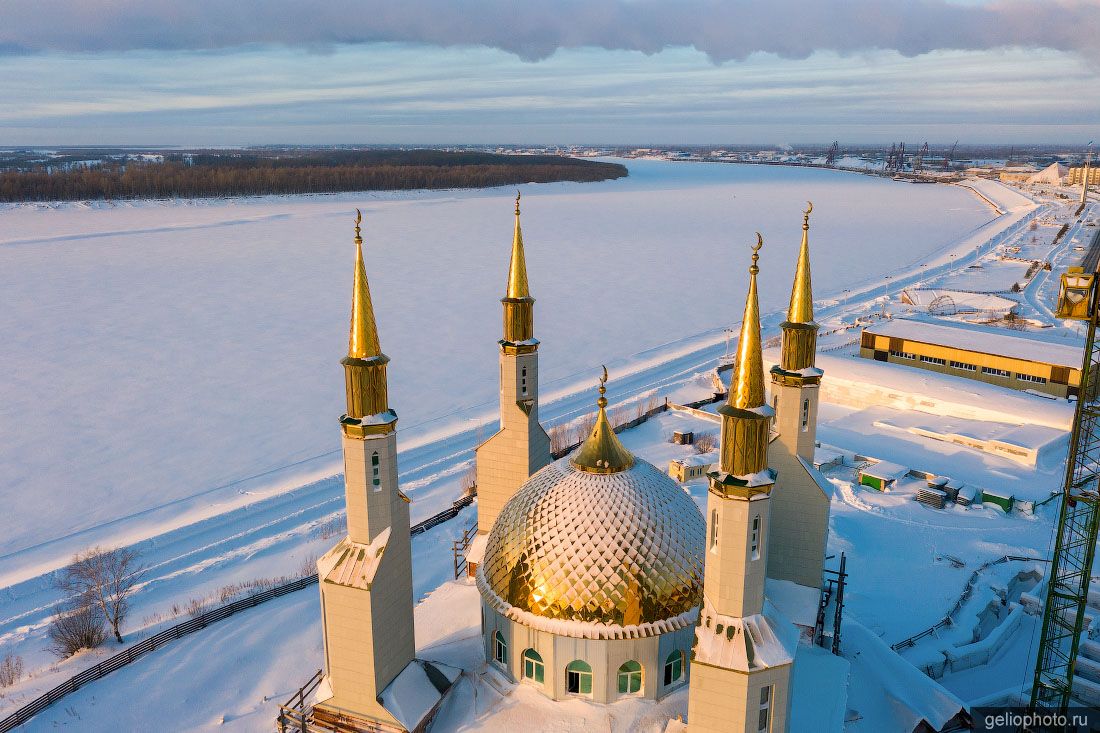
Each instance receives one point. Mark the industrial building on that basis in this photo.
(986, 354)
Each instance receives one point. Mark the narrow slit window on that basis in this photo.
(754, 548)
(376, 477)
(805, 415)
(713, 529)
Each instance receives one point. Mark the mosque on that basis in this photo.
(599, 577)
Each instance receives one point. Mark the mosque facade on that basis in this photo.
(599, 576)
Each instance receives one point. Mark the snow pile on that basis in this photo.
(754, 642)
(889, 693)
(819, 691)
(415, 692)
(353, 563)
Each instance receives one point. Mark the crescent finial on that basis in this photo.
(809, 208)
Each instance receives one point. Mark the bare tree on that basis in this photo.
(11, 669)
(559, 438)
(705, 442)
(103, 580)
(74, 628)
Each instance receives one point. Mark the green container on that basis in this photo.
(1004, 502)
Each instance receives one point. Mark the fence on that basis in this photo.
(949, 619)
(104, 668)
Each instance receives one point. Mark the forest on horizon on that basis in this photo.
(206, 174)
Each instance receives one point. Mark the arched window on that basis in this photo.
(674, 667)
(630, 678)
(578, 678)
(533, 668)
(500, 649)
(376, 478)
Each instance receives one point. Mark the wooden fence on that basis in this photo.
(124, 657)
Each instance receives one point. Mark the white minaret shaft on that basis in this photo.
(800, 508)
(366, 579)
(521, 447)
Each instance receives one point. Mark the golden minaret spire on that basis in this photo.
(602, 451)
(519, 306)
(745, 416)
(801, 309)
(517, 268)
(800, 330)
(363, 336)
(365, 364)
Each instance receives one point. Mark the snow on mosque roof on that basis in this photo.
(980, 339)
(600, 551)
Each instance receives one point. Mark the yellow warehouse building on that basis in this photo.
(984, 354)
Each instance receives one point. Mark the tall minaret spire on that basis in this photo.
(736, 688)
(365, 365)
(800, 511)
(519, 306)
(521, 447)
(800, 330)
(745, 416)
(366, 579)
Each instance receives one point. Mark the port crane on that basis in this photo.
(1075, 534)
(949, 156)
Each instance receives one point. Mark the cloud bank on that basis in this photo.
(723, 29)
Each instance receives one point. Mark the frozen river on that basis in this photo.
(157, 350)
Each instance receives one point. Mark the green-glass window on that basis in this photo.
(533, 668)
(578, 678)
(630, 678)
(674, 667)
(500, 649)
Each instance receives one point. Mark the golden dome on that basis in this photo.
(618, 549)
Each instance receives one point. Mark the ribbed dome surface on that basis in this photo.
(621, 549)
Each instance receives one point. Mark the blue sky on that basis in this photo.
(600, 71)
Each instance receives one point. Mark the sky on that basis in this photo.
(207, 72)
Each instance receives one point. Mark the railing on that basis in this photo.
(949, 619)
(459, 547)
(293, 711)
(104, 668)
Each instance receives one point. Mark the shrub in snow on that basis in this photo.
(11, 669)
(76, 628)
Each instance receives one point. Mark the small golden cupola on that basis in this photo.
(519, 306)
(800, 330)
(746, 418)
(602, 451)
(368, 410)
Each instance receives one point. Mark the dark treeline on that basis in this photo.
(248, 173)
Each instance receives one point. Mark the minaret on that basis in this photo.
(743, 653)
(366, 579)
(800, 508)
(521, 446)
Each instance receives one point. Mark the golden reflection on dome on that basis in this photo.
(619, 549)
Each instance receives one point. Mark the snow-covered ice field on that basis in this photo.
(230, 381)
(156, 353)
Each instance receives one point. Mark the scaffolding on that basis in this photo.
(1075, 541)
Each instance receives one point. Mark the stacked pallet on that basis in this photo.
(967, 495)
(931, 496)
